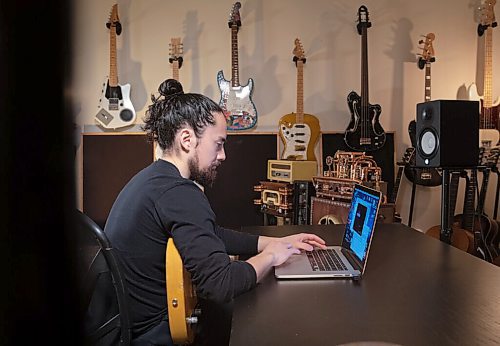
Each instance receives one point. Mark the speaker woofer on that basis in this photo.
(429, 143)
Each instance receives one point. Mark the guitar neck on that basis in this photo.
(469, 200)
(454, 181)
(427, 92)
(235, 78)
(482, 192)
(488, 66)
(299, 116)
(175, 70)
(395, 190)
(364, 71)
(113, 69)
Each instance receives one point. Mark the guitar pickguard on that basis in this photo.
(297, 139)
(363, 134)
(237, 104)
(115, 108)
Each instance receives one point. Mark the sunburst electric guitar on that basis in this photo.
(115, 108)
(299, 131)
(488, 125)
(236, 99)
(175, 56)
(423, 176)
(181, 298)
(364, 132)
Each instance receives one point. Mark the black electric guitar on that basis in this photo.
(299, 131)
(181, 298)
(236, 99)
(423, 176)
(115, 108)
(364, 132)
(175, 56)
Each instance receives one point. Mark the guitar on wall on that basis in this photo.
(236, 99)
(423, 176)
(115, 108)
(181, 298)
(299, 131)
(489, 111)
(364, 132)
(175, 56)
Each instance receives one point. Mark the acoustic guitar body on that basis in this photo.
(299, 138)
(459, 238)
(181, 297)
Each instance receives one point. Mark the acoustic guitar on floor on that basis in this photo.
(299, 131)
(181, 298)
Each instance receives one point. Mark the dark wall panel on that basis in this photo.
(232, 195)
(109, 162)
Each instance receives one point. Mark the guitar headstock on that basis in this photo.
(363, 19)
(486, 16)
(234, 15)
(298, 52)
(175, 49)
(113, 20)
(427, 55)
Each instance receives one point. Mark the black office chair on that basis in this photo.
(104, 304)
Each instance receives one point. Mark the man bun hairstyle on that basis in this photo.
(174, 109)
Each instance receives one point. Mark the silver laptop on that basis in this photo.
(347, 260)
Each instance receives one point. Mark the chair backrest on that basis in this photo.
(104, 292)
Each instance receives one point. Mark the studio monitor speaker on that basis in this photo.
(447, 133)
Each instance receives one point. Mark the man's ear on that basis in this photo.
(187, 139)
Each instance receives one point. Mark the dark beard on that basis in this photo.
(204, 177)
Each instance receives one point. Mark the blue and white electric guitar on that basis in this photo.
(115, 108)
(236, 100)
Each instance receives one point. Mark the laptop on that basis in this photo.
(349, 259)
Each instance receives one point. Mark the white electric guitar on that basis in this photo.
(488, 125)
(299, 131)
(236, 99)
(115, 108)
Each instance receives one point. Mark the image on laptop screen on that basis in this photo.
(361, 222)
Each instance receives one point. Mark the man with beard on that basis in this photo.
(163, 201)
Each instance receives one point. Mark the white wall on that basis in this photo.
(332, 46)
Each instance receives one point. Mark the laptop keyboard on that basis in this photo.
(325, 260)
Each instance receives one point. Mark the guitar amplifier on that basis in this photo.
(290, 171)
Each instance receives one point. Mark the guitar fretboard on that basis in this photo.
(364, 74)
(113, 69)
(175, 70)
(299, 117)
(235, 80)
(427, 81)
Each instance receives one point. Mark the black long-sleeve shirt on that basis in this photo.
(156, 204)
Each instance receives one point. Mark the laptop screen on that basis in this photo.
(361, 221)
